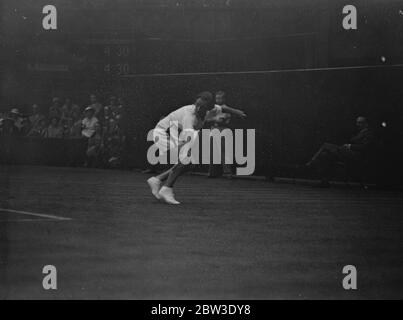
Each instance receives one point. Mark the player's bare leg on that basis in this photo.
(164, 176)
(166, 193)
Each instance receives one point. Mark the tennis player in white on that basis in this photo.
(188, 118)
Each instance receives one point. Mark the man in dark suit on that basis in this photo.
(355, 151)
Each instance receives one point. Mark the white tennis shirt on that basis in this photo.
(184, 118)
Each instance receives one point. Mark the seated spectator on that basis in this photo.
(39, 130)
(356, 150)
(55, 109)
(89, 123)
(97, 106)
(35, 116)
(55, 130)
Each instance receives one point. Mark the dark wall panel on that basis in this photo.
(293, 113)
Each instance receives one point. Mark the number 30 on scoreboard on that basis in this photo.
(118, 69)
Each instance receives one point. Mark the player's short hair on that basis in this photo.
(220, 93)
(205, 96)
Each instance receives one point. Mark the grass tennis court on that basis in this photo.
(230, 239)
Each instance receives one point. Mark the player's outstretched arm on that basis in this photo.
(234, 111)
(210, 117)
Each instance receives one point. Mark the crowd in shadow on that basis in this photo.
(100, 126)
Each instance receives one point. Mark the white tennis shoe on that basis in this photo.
(167, 195)
(155, 186)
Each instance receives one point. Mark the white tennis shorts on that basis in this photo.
(184, 148)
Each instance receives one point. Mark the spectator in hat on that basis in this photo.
(89, 122)
(17, 122)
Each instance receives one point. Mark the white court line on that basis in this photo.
(28, 220)
(218, 73)
(49, 216)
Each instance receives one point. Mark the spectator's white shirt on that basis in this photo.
(88, 125)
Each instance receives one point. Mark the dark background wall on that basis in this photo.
(99, 41)
(293, 113)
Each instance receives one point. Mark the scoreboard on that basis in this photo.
(120, 57)
(110, 57)
(94, 47)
